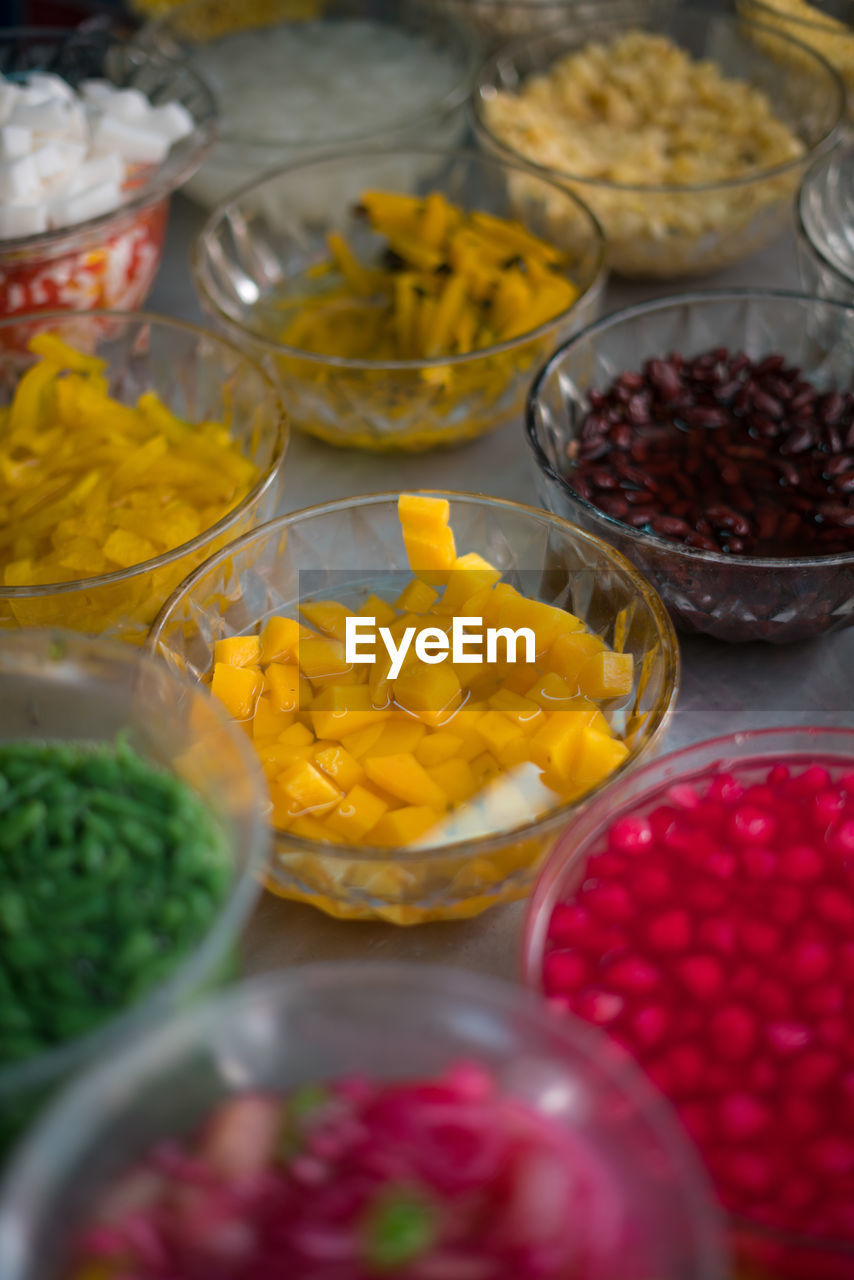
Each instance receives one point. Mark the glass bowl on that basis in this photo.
(111, 260)
(496, 21)
(730, 597)
(762, 1253)
(356, 546)
(203, 31)
(826, 26)
(826, 226)
(664, 232)
(58, 686)
(201, 377)
(410, 1021)
(268, 233)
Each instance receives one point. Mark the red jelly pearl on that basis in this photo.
(718, 933)
(669, 931)
(808, 961)
(599, 1007)
(801, 862)
(751, 826)
(702, 975)
(632, 974)
(651, 885)
(732, 1032)
(740, 1116)
(630, 835)
(610, 902)
(564, 972)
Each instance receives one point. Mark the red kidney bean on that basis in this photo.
(723, 453)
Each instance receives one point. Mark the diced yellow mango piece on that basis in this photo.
(551, 692)
(470, 573)
(524, 712)
(455, 778)
(569, 653)
(402, 776)
(599, 756)
(238, 689)
(238, 651)
(416, 597)
(484, 767)
(496, 730)
(399, 735)
(431, 693)
(308, 789)
(328, 616)
(340, 710)
(356, 814)
(309, 828)
(607, 675)
(343, 768)
(428, 539)
(379, 609)
(402, 827)
(281, 681)
(555, 747)
(516, 752)
(280, 640)
(278, 756)
(437, 747)
(322, 660)
(545, 620)
(423, 512)
(268, 722)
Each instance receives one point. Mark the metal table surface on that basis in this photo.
(724, 687)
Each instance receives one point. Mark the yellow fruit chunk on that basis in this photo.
(416, 597)
(343, 768)
(397, 736)
(551, 692)
(402, 776)
(340, 710)
(432, 693)
(361, 741)
(556, 746)
(308, 790)
(309, 828)
(379, 609)
(484, 767)
(607, 675)
(322, 660)
(327, 616)
(455, 779)
(496, 730)
(280, 640)
(402, 827)
(469, 574)
(545, 620)
(238, 689)
(428, 539)
(356, 814)
(238, 651)
(436, 748)
(282, 683)
(267, 721)
(525, 713)
(569, 653)
(599, 756)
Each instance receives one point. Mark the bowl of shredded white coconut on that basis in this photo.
(294, 77)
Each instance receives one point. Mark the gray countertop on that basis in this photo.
(724, 688)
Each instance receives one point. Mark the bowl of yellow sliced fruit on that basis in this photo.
(430, 712)
(401, 299)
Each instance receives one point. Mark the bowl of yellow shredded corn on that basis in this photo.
(409, 313)
(131, 448)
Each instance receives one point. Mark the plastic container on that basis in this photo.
(666, 232)
(109, 261)
(203, 31)
(201, 377)
(271, 231)
(763, 1252)
(827, 26)
(730, 597)
(327, 550)
(284, 1030)
(58, 686)
(826, 227)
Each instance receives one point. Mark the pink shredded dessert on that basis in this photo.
(445, 1179)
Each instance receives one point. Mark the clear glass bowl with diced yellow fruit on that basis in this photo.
(401, 298)
(433, 683)
(131, 448)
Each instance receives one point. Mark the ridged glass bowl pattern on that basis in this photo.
(200, 377)
(270, 232)
(111, 260)
(307, 553)
(240, 157)
(760, 1252)
(733, 598)
(815, 24)
(58, 686)
(665, 232)
(409, 1021)
(825, 212)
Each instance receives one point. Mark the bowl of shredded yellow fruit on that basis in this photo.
(131, 448)
(401, 299)
(433, 682)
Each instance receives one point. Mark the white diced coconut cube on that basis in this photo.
(52, 86)
(9, 95)
(134, 144)
(58, 158)
(19, 180)
(172, 120)
(55, 118)
(22, 220)
(127, 104)
(96, 91)
(15, 141)
(67, 210)
(93, 172)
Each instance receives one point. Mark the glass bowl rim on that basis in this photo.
(819, 168)
(200, 254)
(573, 1048)
(156, 28)
(553, 871)
(33, 646)
(572, 36)
(771, 9)
(152, 190)
(637, 536)
(490, 842)
(201, 539)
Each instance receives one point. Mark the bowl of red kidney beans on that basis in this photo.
(710, 438)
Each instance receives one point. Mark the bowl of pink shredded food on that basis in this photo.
(361, 1121)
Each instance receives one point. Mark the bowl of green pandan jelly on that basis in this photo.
(132, 834)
